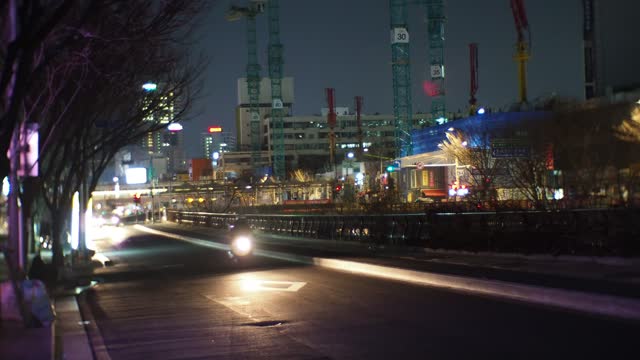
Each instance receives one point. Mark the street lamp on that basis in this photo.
(150, 86)
(350, 156)
(116, 187)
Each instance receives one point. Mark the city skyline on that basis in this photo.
(353, 55)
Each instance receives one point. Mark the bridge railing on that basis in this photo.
(577, 232)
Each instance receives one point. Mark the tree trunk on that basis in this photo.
(57, 239)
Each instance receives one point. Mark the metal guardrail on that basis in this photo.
(574, 232)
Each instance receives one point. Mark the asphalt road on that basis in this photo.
(167, 299)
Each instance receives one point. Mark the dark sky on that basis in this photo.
(345, 44)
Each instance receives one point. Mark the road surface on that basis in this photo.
(168, 299)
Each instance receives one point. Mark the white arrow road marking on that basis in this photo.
(267, 285)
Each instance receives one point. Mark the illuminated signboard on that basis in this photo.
(136, 175)
(215, 129)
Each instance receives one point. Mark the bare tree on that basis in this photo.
(529, 171)
(587, 150)
(472, 149)
(629, 132)
(629, 129)
(90, 103)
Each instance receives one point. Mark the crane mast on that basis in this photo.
(253, 87)
(523, 44)
(435, 26)
(250, 13)
(275, 73)
(331, 122)
(473, 83)
(358, 105)
(401, 69)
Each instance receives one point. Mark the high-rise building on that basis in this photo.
(153, 141)
(243, 115)
(216, 140)
(165, 147)
(173, 149)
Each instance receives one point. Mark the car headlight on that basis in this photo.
(241, 245)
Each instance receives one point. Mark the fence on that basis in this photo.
(576, 232)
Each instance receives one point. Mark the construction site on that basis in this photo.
(344, 153)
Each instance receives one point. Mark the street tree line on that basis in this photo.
(76, 69)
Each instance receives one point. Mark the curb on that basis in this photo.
(606, 305)
(96, 342)
(71, 335)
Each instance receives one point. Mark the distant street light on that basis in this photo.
(150, 86)
(481, 111)
(350, 156)
(116, 187)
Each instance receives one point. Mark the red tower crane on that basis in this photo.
(358, 106)
(331, 121)
(522, 46)
(474, 82)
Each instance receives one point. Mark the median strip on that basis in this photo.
(607, 305)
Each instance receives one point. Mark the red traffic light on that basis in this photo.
(136, 198)
(338, 187)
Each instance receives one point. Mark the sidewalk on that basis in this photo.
(65, 338)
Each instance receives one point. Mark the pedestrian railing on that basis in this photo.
(577, 232)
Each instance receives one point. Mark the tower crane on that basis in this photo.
(275, 73)
(435, 26)
(473, 83)
(358, 105)
(255, 8)
(331, 122)
(401, 69)
(523, 46)
(250, 12)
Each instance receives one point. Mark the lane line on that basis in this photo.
(608, 305)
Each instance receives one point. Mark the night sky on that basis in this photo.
(345, 44)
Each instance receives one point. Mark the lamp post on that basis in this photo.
(350, 156)
(116, 186)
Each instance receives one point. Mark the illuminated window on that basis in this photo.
(425, 178)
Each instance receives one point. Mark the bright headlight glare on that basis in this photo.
(242, 245)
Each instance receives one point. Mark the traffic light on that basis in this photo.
(338, 188)
(136, 198)
(394, 166)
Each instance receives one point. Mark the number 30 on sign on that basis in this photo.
(399, 35)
